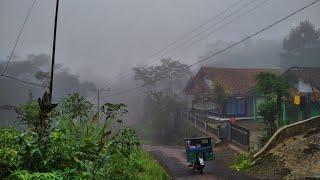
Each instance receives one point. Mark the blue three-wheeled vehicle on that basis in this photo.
(198, 150)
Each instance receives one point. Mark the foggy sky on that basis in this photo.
(98, 39)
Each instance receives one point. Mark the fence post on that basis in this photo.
(229, 131)
(195, 121)
(205, 127)
(187, 116)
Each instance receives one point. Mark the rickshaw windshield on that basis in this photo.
(198, 143)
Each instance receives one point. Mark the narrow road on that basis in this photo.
(173, 159)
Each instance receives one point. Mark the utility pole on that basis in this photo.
(45, 103)
(53, 49)
(170, 84)
(98, 97)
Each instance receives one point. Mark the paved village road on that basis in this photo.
(173, 159)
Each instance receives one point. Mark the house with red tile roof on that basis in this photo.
(241, 103)
(305, 84)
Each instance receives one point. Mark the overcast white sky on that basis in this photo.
(101, 38)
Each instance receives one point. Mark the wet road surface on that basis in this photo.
(173, 159)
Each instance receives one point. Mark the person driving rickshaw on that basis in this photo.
(198, 150)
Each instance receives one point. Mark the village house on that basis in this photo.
(305, 87)
(241, 103)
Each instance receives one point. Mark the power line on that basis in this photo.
(188, 33)
(233, 45)
(208, 28)
(22, 81)
(195, 29)
(211, 26)
(254, 34)
(220, 27)
(125, 91)
(18, 37)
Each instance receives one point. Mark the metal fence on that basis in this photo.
(226, 131)
(240, 135)
(213, 130)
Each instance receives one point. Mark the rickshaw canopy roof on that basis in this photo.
(186, 139)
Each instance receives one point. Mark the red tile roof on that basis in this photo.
(238, 81)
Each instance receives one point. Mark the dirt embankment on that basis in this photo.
(296, 158)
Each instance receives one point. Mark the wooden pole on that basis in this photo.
(53, 49)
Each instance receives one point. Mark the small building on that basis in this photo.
(305, 87)
(242, 101)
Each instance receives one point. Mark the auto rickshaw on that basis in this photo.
(198, 150)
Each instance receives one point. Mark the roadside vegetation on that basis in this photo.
(81, 145)
(243, 163)
(163, 85)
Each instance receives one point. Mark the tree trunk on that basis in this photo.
(44, 124)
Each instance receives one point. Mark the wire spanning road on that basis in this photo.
(173, 159)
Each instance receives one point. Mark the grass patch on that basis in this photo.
(152, 169)
(242, 163)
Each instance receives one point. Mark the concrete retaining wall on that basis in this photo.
(286, 132)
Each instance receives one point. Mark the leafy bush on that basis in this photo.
(25, 175)
(124, 143)
(76, 149)
(61, 150)
(9, 151)
(139, 165)
(242, 163)
(31, 113)
(267, 109)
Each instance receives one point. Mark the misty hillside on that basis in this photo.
(252, 54)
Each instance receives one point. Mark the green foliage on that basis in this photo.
(164, 82)
(77, 150)
(267, 109)
(167, 70)
(275, 88)
(272, 84)
(76, 106)
(25, 175)
(9, 151)
(31, 152)
(219, 93)
(31, 113)
(124, 143)
(61, 150)
(242, 163)
(138, 165)
(150, 168)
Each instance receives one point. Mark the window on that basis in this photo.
(236, 106)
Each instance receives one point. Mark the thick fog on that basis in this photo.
(103, 38)
(99, 40)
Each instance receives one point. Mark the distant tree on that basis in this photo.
(299, 36)
(219, 93)
(301, 46)
(272, 85)
(76, 106)
(164, 82)
(169, 71)
(43, 77)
